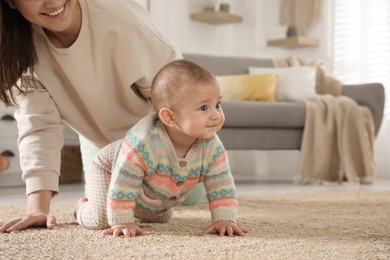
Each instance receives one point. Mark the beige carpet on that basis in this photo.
(350, 225)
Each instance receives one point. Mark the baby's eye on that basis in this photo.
(203, 108)
(218, 105)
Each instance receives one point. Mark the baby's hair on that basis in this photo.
(173, 79)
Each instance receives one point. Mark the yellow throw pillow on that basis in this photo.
(259, 87)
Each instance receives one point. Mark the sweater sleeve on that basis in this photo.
(219, 183)
(40, 140)
(127, 177)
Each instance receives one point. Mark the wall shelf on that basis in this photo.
(216, 17)
(293, 42)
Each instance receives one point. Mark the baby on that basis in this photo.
(142, 177)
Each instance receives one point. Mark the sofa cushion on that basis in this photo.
(259, 87)
(294, 83)
(263, 115)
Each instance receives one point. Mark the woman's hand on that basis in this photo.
(126, 230)
(37, 219)
(225, 227)
(37, 215)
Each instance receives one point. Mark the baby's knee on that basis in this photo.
(89, 219)
(93, 223)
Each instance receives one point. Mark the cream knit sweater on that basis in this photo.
(148, 178)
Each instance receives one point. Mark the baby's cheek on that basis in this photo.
(222, 120)
(222, 117)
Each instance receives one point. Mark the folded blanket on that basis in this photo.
(337, 143)
(338, 137)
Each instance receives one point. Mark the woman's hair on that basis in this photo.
(173, 79)
(17, 53)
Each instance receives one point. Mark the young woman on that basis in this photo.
(85, 63)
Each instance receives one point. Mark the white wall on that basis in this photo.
(260, 23)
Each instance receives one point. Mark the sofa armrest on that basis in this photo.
(371, 95)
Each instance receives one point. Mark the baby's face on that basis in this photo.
(199, 112)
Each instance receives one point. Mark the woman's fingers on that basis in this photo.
(26, 221)
(5, 225)
(17, 224)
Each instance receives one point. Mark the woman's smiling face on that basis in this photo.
(53, 15)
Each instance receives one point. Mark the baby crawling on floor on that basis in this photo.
(143, 176)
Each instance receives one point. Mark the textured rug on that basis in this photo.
(337, 225)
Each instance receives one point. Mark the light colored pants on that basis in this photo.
(97, 176)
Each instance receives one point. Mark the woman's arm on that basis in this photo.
(39, 201)
(40, 142)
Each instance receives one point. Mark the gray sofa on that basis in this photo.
(274, 126)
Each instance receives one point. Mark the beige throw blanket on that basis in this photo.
(338, 135)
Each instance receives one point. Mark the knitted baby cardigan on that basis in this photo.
(148, 178)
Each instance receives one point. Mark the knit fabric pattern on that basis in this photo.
(148, 179)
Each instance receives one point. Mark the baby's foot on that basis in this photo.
(80, 202)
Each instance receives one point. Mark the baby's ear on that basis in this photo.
(166, 116)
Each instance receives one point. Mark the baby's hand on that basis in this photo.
(225, 227)
(127, 230)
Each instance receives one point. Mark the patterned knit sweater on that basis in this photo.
(148, 178)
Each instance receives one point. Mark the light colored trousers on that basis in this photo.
(97, 176)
